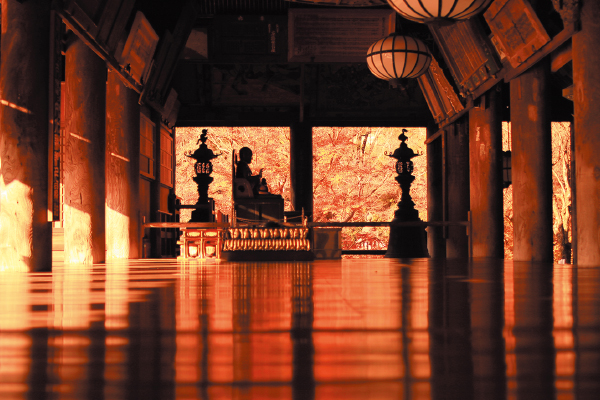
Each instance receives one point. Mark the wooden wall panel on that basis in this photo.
(139, 48)
(441, 98)
(467, 51)
(518, 32)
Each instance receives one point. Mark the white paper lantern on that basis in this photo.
(397, 56)
(428, 10)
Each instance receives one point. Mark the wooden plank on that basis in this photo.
(441, 98)
(322, 35)
(107, 19)
(518, 32)
(548, 48)
(79, 16)
(149, 94)
(186, 225)
(139, 48)
(561, 56)
(467, 52)
(183, 28)
(118, 29)
(99, 50)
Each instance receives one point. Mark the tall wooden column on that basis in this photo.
(85, 104)
(485, 155)
(531, 164)
(25, 233)
(122, 170)
(436, 245)
(586, 98)
(457, 155)
(301, 167)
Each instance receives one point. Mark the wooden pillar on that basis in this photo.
(586, 98)
(485, 155)
(85, 103)
(25, 233)
(436, 245)
(531, 164)
(301, 167)
(457, 155)
(122, 170)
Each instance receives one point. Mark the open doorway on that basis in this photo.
(271, 152)
(354, 180)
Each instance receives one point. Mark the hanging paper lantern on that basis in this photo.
(428, 10)
(396, 56)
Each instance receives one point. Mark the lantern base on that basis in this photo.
(203, 211)
(407, 242)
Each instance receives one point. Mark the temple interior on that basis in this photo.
(106, 292)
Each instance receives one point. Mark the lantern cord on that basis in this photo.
(399, 24)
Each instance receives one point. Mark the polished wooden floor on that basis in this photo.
(344, 329)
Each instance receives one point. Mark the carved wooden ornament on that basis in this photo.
(441, 98)
(139, 48)
(468, 53)
(518, 33)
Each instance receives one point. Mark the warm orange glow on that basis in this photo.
(15, 225)
(15, 343)
(419, 360)
(188, 341)
(564, 341)
(15, 106)
(510, 342)
(117, 234)
(117, 296)
(79, 253)
(349, 329)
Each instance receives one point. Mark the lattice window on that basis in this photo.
(166, 157)
(146, 146)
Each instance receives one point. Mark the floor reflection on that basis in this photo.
(349, 329)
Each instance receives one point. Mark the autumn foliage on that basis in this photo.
(353, 179)
(561, 192)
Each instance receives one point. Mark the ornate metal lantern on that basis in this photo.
(404, 168)
(396, 56)
(203, 168)
(406, 241)
(429, 10)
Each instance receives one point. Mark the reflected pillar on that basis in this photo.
(586, 98)
(24, 136)
(303, 379)
(449, 327)
(436, 245)
(301, 167)
(85, 102)
(122, 170)
(485, 155)
(457, 153)
(487, 321)
(531, 164)
(587, 333)
(533, 329)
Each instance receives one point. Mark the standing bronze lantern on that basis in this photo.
(204, 207)
(406, 241)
